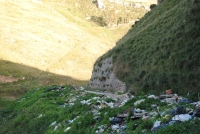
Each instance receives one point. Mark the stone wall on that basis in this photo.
(103, 77)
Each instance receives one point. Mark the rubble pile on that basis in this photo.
(77, 110)
(118, 124)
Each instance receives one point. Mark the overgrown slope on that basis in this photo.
(64, 109)
(162, 50)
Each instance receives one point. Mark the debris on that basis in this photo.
(115, 120)
(153, 106)
(71, 121)
(111, 104)
(68, 128)
(144, 117)
(115, 127)
(63, 106)
(185, 100)
(122, 115)
(138, 102)
(178, 110)
(53, 123)
(124, 127)
(197, 113)
(182, 117)
(101, 130)
(124, 102)
(55, 128)
(166, 96)
(156, 124)
(153, 114)
(139, 113)
(170, 100)
(169, 91)
(55, 88)
(152, 96)
(39, 116)
(81, 88)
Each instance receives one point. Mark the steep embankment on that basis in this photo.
(161, 51)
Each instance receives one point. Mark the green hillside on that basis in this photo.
(161, 51)
(64, 109)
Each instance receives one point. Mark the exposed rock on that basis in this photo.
(103, 77)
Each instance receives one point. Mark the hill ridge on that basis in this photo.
(158, 52)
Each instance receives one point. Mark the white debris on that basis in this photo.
(170, 100)
(111, 104)
(71, 121)
(124, 102)
(139, 101)
(68, 128)
(81, 88)
(39, 116)
(115, 127)
(152, 96)
(71, 104)
(21, 100)
(52, 124)
(55, 128)
(101, 130)
(182, 117)
(156, 124)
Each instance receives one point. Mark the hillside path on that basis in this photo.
(112, 96)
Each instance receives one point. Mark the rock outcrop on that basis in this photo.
(103, 77)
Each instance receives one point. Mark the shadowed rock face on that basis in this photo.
(103, 77)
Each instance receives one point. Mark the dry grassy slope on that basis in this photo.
(39, 36)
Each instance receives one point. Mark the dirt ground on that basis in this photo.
(36, 35)
(6, 79)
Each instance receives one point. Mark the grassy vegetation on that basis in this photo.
(58, 109)
(161, 51)
(32, 78)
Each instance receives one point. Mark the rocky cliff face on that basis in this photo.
(103, 77)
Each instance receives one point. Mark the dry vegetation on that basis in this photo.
(51, 42)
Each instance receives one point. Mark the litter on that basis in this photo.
(185, 100)
(170, 100)
(115, 120)
(115, 127)
(152, 96)
(178, 110)
(55, 128)
(197, 113)
(39, 116)
(182, 117)
(138, 102)
(52, 124)
(68, 128)
(156, 124)
(124, 127)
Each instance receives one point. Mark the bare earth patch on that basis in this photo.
(6, 79)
